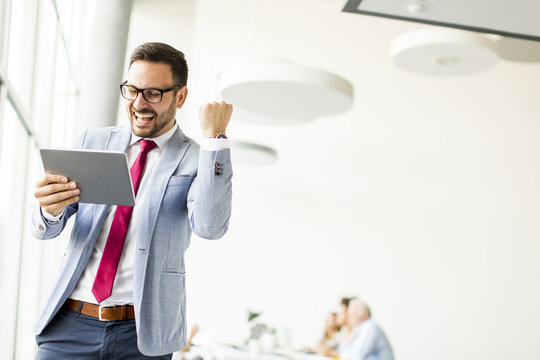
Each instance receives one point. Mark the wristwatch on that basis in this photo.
(220, 135)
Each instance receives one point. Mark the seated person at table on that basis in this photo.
(330, 338)
(345, 329)
(337, 327)
(368, 341)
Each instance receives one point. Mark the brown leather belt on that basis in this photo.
(103, 313)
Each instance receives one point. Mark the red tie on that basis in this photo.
(106, 272)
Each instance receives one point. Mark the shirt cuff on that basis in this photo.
(213, 144)
(50, 217)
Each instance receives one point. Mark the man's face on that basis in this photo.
(352, 315)
(151, 120)
(342, 315)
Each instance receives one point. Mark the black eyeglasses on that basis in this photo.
(151, 95)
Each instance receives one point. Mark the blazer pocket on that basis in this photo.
(173, 272)
(180, 180)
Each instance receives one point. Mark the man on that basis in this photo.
(368, 341)
(329, 347)
(125, 265)
(342, 315)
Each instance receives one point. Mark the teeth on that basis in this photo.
(139, 115)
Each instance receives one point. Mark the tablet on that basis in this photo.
(102, 176)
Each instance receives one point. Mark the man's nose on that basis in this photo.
(139, 101)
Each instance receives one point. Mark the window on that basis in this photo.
(20, 54)
(14, 145)
(39, 50)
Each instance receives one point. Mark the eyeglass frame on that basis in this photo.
(162, 91)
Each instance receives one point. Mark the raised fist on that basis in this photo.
(214, 118)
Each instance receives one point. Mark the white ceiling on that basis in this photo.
(423, 198)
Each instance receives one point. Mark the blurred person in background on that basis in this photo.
(330, 338)
(337, 331)
(367, 341)
(342, 317)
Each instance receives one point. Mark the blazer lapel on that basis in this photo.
(169, 160)
(119, 138)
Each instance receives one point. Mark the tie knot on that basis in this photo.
(146, 145)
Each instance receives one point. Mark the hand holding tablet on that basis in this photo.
(55, 192)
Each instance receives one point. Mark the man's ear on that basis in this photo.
(181, 96)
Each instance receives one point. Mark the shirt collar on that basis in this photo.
(357, 330)
(161, 140)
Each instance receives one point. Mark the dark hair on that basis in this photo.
(162, 53)
(346, 300)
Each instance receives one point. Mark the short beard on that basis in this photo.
(168, 115)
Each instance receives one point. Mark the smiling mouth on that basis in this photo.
(143, 119)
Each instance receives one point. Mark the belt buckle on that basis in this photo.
(101, 307)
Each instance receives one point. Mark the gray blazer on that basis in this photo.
(191, 191)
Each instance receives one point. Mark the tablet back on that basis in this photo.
(102, 176)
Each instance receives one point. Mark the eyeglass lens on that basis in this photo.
(150, 95)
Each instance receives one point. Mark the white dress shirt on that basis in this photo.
(122, 291)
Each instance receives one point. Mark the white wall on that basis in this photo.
(422, 200)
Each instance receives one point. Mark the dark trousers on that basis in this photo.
(71, 335)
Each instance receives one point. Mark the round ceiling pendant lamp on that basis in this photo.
(443, 52)
(516, 49)
(250, 154)
(279, 92)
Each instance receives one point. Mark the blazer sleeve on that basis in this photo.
(210, 195)
(44, 229)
